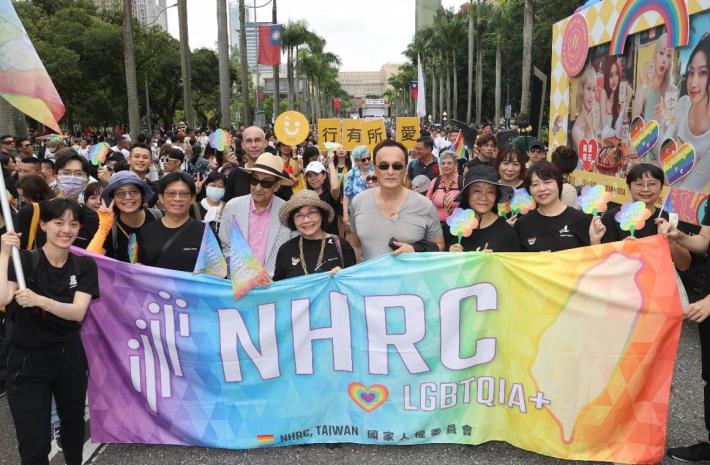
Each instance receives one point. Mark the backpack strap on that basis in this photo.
(437, 181)
(33, 226)
(114, 235)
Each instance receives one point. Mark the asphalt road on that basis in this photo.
(685, 427)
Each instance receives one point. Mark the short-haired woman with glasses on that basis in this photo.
(174, 241)
(356, 179)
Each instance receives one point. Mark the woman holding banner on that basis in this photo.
(552, 226)
(482, 192)
(313, 250)
(44, 352)
(173, 242)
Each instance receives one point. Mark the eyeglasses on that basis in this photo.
(311, 215)
(166, 159)
(8, 142)
(177, 194)
(124, 194)
(364, 160)
(266, 184)
(397, 166)
(649, 185)
(78, 174)
(257, 140)
(26, 145)
(537, 150)
(371, 179)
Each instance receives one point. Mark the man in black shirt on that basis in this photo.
(253, 144)
(425, 164)
(72, 172)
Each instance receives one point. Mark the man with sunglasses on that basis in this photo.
(24, 147)
(172, 161)
(257, 214)
(390, 217)
(7, 145)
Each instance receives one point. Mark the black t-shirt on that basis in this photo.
(706, 218)
(499, 235)
(477, 162)
(181, 252)
(615, 233)
(430, 171)
(237, 184)
(122, 233)
(332, 227)
(35, 328)
(539, 233)
(288, 261)
(24, 223)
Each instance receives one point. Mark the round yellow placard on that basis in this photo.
(291, 128)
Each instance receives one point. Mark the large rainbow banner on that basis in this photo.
(567, 354)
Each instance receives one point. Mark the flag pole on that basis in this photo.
(7, 215)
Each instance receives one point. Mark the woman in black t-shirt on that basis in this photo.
(482, 192)
(552, 226)
(313, 250)
(318, 179)
(44, 351)
(174, 241)
(125, 194)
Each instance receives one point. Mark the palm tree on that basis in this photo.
(481, 16)
(527, 56)
(471, 24)
(223, 49)
(129, 57)
(294, 35)
(500, 25)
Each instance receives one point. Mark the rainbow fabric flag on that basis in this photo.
(458, 147)
(210, 259)
(245, 270)
(133, 248)
(24, 81)
(568, 354)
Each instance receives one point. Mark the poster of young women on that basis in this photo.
(638, 95)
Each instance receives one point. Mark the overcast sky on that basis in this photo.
(365, 34)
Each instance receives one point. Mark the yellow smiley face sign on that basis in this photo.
(291, 128)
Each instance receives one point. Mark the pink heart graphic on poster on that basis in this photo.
(588, 150)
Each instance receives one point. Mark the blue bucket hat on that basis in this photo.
(123, 178)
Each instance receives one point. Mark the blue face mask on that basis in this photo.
(214, 193)
(71, 186)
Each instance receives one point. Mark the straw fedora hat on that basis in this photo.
(271, 164)
(305, 198)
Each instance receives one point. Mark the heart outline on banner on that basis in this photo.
(588, 151)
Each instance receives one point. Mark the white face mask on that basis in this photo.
(214, 193)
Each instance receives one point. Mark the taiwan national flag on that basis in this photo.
(270, 44)
(415, 89)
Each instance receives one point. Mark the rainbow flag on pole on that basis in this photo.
(458, 146)
(245, 270)
(24, 81)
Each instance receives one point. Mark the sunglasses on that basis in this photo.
(397, 166)
(371, 179)
(364, 160)
(264, 183)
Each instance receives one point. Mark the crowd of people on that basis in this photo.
(301, 210)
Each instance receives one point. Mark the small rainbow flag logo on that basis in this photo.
(458, 147)
(264, 438)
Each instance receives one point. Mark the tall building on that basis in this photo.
(424, 12)
(148, 12)
(252, 32)
(361, 84)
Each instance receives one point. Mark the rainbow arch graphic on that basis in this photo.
(674, 13)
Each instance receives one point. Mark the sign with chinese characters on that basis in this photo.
(408, 130)
(329, 131)
(566, 354)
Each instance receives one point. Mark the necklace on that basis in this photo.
(303, 259)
